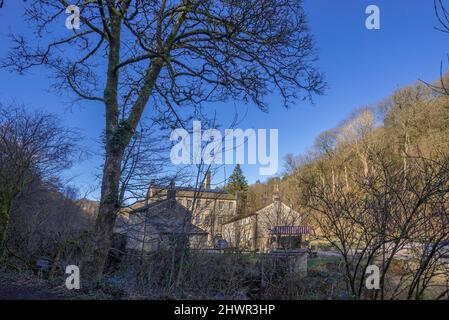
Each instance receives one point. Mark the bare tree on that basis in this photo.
(168, 53)
(442, 15)
(47, 221)
(145, 159)
(386, 216)
(33, 147)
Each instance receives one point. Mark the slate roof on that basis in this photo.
(169, 216)
(200, 192)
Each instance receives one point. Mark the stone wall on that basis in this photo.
(295, 260)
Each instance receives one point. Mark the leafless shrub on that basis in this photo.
(207, 275)
(390, 212)
(46, 225)
(34, 149)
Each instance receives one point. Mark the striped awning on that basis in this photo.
(287, 230)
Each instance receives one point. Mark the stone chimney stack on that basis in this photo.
(152, 189)
(276, 196)
(207, 179)
(151, 192)
(171, 192)
(265, 198)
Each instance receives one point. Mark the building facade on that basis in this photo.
(209, 208)
(159, 225)
(275, 226)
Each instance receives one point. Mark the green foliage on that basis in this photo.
(237, 183)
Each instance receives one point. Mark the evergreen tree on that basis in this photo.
(237, 182)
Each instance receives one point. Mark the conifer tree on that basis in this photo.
(237, 183)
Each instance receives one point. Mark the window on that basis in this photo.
(221, 205)
(198, 203)
(207, 220)
(208, 203)
(189, 204)
(231, 205)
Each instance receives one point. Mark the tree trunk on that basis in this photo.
(333, 181)
(118, 135)
(97, 248)
(346, 178)
(100, 243)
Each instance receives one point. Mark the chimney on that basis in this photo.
(207, 180)
(171, 192)
(276, 192)
(265, 198)
(151, 192)
(237, 205)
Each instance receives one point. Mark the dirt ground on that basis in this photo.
(28, 287)
(15, 286)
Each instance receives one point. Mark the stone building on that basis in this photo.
(161, 224)
(210, 208)
(275, 226)
(204, 208)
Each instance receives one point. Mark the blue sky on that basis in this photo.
(361, 66)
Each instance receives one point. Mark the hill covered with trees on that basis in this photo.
(377, 186)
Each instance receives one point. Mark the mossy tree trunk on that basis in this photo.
(118, 136)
